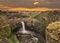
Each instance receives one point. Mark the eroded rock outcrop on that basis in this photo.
(53, 32)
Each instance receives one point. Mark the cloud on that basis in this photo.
(30, 3)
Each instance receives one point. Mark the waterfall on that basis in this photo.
(23, 30)
(23, 27)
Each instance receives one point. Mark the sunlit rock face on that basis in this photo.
(53, 32)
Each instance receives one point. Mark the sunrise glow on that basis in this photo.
(26, 9)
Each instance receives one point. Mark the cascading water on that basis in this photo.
(23, 30)
(23, 27)
(26, 36)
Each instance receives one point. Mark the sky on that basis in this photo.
(30, 3)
